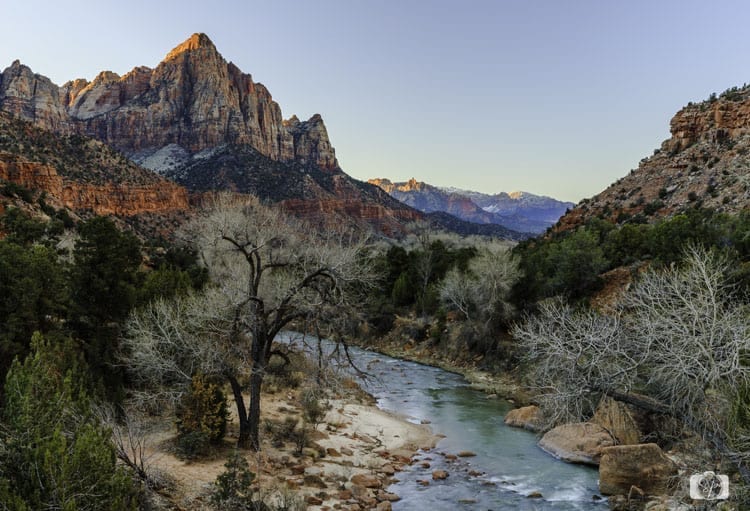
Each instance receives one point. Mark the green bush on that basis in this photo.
(203, 410)
(193, 445)
(165, 282)
(313, 410)
(233, 490)
(16, 190)
(54, 451)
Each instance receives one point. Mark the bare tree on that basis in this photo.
(130, 437)
(482, 292)
(425, 258)
(574, 356)
(268, 271)
(457, 292)
(681, 335)
(693, 333)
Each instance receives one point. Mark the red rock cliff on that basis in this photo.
(121, 199)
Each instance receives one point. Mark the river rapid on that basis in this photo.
(508, 466)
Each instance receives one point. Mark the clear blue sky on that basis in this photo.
(552, 97)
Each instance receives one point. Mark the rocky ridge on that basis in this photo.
(519, 211)
(202, 122)
(705, 163)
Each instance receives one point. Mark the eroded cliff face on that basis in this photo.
(391, 222)
(121, 199)
(706, 162)
(34, 98)
(30, 175)
(193, 99)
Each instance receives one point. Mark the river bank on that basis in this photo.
(363, 456)
(349, 460)
(501, 385)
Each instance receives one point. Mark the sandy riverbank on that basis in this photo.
(353, 455)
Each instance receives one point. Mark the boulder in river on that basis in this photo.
(644, 466)
(577, 443)
(526, 417)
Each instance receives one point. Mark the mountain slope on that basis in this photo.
(82, 174)
(705, 163)
(519, 211)
(207, 125)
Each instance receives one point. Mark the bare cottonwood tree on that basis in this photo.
(482, 292)
(267, 270)
(681, 335)
(574, 355)
(692, 331)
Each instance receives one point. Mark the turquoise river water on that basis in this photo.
(508, 459)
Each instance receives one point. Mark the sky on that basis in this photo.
(552, 97)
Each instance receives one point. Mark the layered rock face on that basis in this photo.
(706, 162)
(34, 98)
(193, 99)
(200, 121)
(82, 174)
(29, 174)
(121, 199)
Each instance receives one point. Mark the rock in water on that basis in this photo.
(577, 443)
(526, 417)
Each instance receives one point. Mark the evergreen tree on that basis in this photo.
(55, 454)
(104, 289)
(33, 296)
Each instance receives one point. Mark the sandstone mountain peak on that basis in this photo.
(196, 41)
(204, 123)
(194, 101)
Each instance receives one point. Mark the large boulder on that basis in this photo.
(619, 419)
(577, 443)
(644, 466)
(526, 417)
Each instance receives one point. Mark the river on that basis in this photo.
(508, 466)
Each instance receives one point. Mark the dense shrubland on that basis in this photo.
(674, 333)
(123, 320)
(569, 264)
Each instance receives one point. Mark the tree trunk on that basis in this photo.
(253, 418)
(239, 401)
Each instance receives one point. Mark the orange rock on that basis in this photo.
(366, 480)
(438, 475)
